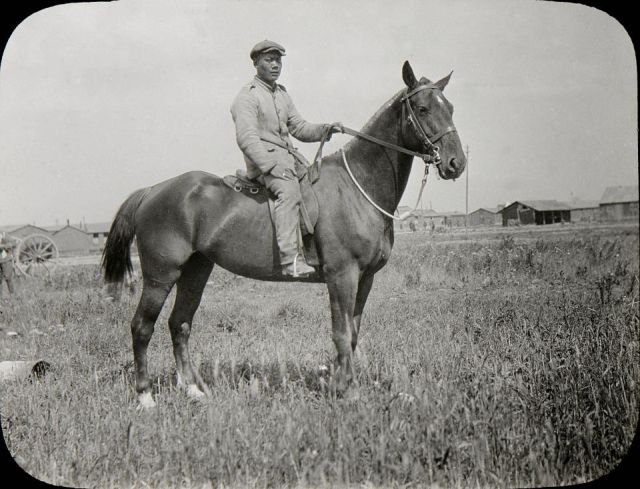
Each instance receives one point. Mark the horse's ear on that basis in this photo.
(443, 83)
(408, 76)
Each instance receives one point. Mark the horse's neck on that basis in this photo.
(383, 173)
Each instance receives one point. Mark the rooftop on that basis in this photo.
(620, 193)
(544, 205)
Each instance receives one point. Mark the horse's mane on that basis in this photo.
(373, 120)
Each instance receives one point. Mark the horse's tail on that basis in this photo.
(116, 256)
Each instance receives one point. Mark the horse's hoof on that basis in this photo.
(194, 393)
(340, 386)
(145, 401)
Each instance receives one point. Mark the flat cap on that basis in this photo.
(264, 47)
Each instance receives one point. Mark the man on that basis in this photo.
(265, 116)
(7, 272)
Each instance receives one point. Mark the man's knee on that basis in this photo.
(288, 191)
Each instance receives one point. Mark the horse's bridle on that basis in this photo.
(432, 151)
(431, 154)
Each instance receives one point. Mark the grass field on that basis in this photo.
(500, 359)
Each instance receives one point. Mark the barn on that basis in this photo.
(72, 241)
(485, 216)
(619, 203)
(584, 210)
(522, 212)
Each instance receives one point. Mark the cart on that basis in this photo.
(35, 255)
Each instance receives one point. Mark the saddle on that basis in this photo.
(308, 206)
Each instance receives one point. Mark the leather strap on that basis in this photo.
(426, 157)
(318, 157)
(417, 89)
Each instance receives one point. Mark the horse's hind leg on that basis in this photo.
(153, 296)
(190, 286)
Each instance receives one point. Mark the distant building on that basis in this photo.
(431, 219)
(420, 220)
(523, 212)
(428, 220)
(454, 219)
(485, 216)
(619, 203)
(28, 230)
(71, 240)
(584, 210)
(98, 232)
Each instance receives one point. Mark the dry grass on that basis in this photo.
(508, 361)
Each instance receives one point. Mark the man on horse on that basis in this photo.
(265, 116)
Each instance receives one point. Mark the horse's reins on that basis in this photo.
(431, 156)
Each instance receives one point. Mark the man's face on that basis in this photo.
(268, 66)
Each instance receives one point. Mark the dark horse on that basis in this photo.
(187, 224)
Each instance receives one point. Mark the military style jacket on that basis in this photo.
(264, 119)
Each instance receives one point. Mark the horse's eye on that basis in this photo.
(422, 110)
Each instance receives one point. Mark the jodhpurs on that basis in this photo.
(287, 216)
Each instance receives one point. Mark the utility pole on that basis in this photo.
(466, 195)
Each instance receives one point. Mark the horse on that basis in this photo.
(187, 224)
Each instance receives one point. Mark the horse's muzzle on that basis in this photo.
(452, 169)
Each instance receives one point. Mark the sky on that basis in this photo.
(100, 99)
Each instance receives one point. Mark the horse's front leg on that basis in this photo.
(343, 286)
(364, 287)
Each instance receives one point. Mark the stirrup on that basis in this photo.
(295, 268)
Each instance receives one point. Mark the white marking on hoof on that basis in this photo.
(145, 401)
(193, 392)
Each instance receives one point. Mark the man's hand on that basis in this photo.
(283, 172)
(336, 127)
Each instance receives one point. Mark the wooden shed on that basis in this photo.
(619, 203)
(72, 241)
(523, 212)
(485, 216)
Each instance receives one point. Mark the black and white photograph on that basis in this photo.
(319, 244)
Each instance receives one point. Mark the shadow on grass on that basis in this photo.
(271, 377)
(268, 378)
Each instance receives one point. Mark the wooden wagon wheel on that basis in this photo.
(37, 255)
